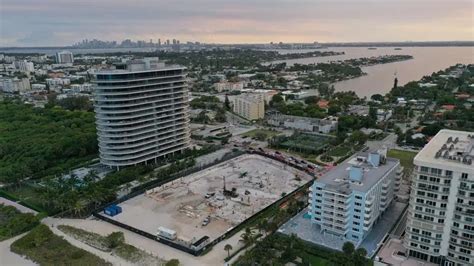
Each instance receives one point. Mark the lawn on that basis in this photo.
(316, 261)
(339, 151)
(257, 132)
(42, 246)
(405, 157)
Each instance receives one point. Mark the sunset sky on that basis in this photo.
(64, 22)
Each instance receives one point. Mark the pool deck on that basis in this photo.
(304, 229)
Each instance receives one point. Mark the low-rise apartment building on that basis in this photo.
(347, 201)
(325, 125)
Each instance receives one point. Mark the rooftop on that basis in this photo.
(449, 147)
(343, 179)
(138, 65)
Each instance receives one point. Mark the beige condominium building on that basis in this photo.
(250, 106)
(440, 226)
(141, 112)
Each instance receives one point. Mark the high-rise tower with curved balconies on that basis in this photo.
(141, 112)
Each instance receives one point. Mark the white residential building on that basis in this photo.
(58, 81)
(24, 66)
(229, 86)
(440, 225)
(141, 112)
(325, 125)
(64, 57)
(15, 85)
(347, 201)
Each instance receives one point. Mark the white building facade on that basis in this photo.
(141, 112)
(64, 57)
(347, 201)
(440, 226)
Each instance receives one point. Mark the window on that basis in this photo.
(440, 221)
(447, 181)
(356, 223)
(465, 251)
(448, 174)
(464, 176)
(426, 233)
(357, 204)
(358, 197)
(436, 171)
(356, 210)
(356, 217)
(428, 218)
(355, 229)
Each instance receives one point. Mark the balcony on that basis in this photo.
(130, 79)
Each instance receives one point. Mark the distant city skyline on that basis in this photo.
(59, 23)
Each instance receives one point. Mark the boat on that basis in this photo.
(372, 48)
(397, 48)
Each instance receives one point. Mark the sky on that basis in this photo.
(64, 22)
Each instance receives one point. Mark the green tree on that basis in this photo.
(348, 248)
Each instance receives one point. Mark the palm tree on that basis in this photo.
(228, 248)
(247, 237)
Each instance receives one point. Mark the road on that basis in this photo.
(390, 142)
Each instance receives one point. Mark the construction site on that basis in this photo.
(209, 203)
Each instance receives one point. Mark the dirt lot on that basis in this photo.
(182, 205)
